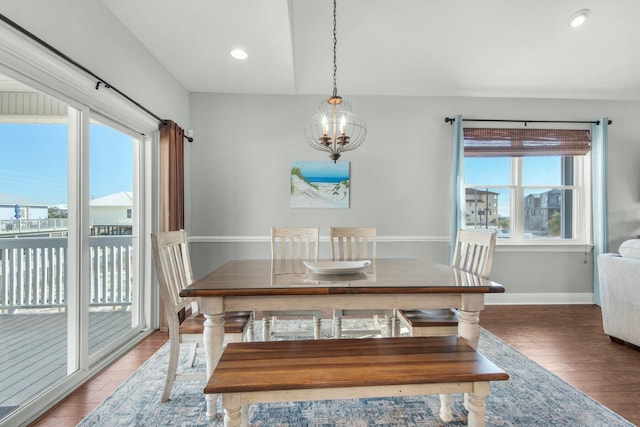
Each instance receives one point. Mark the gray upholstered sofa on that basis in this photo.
(619, 276)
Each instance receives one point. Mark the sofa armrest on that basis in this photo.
(620, 293)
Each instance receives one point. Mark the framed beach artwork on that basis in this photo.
(319, 184)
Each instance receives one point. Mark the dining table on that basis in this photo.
(384, 283)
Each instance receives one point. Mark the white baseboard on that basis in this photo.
(538, 299)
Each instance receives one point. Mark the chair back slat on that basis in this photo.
(474, 252)
(353, 243)
(290, 245)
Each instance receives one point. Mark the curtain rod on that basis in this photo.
(453, 119)
(100, 80)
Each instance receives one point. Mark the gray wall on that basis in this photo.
(239, 181)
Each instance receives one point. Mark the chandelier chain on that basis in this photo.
(335, 42)
(335, 128)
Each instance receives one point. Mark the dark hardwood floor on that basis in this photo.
(566, 339)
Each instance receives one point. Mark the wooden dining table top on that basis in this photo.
(383, 276)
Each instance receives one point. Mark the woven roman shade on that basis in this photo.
(496, 142)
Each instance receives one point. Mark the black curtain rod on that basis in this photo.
(100, 80)
(595, 122)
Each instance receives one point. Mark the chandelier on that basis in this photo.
(335, 128)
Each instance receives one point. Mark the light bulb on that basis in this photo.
(579, 18)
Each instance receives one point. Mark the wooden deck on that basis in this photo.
(33, 350)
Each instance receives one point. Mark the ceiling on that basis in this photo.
(511, 48)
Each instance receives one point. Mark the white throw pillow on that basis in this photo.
(630, 249)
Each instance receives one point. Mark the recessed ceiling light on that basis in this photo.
(239, 54)
(579, 18)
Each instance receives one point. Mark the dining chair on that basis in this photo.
(473, 253)
(185, 322)
(290, 246)
(354, 244)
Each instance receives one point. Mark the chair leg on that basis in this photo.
(317, 326)
(396, 323)
(250, 334)
(192, 354)
(337, 323)
(446, 402)
(174, 354)
(387, 330)
(266, 328)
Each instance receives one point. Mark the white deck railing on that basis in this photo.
(33, 272)
(13, 226)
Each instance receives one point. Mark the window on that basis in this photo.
(528, 184)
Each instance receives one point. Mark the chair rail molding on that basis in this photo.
(500, 246)
(267, 239)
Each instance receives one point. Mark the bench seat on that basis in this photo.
(262, 372)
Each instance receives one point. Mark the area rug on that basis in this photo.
(532, 397)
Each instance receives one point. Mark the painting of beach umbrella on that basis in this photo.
(319, 184)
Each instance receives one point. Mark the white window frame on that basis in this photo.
(581, 204)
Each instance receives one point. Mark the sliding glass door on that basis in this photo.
(113, 209)
(70, 254)
(33, 244)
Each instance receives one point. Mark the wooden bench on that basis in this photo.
(289, 371)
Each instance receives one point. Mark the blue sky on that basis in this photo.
(33, 161)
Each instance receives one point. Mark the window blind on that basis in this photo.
(503, 142)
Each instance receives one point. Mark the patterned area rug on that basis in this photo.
(532, 397)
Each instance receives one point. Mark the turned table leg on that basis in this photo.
(213, 340)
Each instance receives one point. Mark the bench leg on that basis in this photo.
(446, 402)
(234, 415)
(476, 404)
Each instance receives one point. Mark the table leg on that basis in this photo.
(213, 340)
(469, 327)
